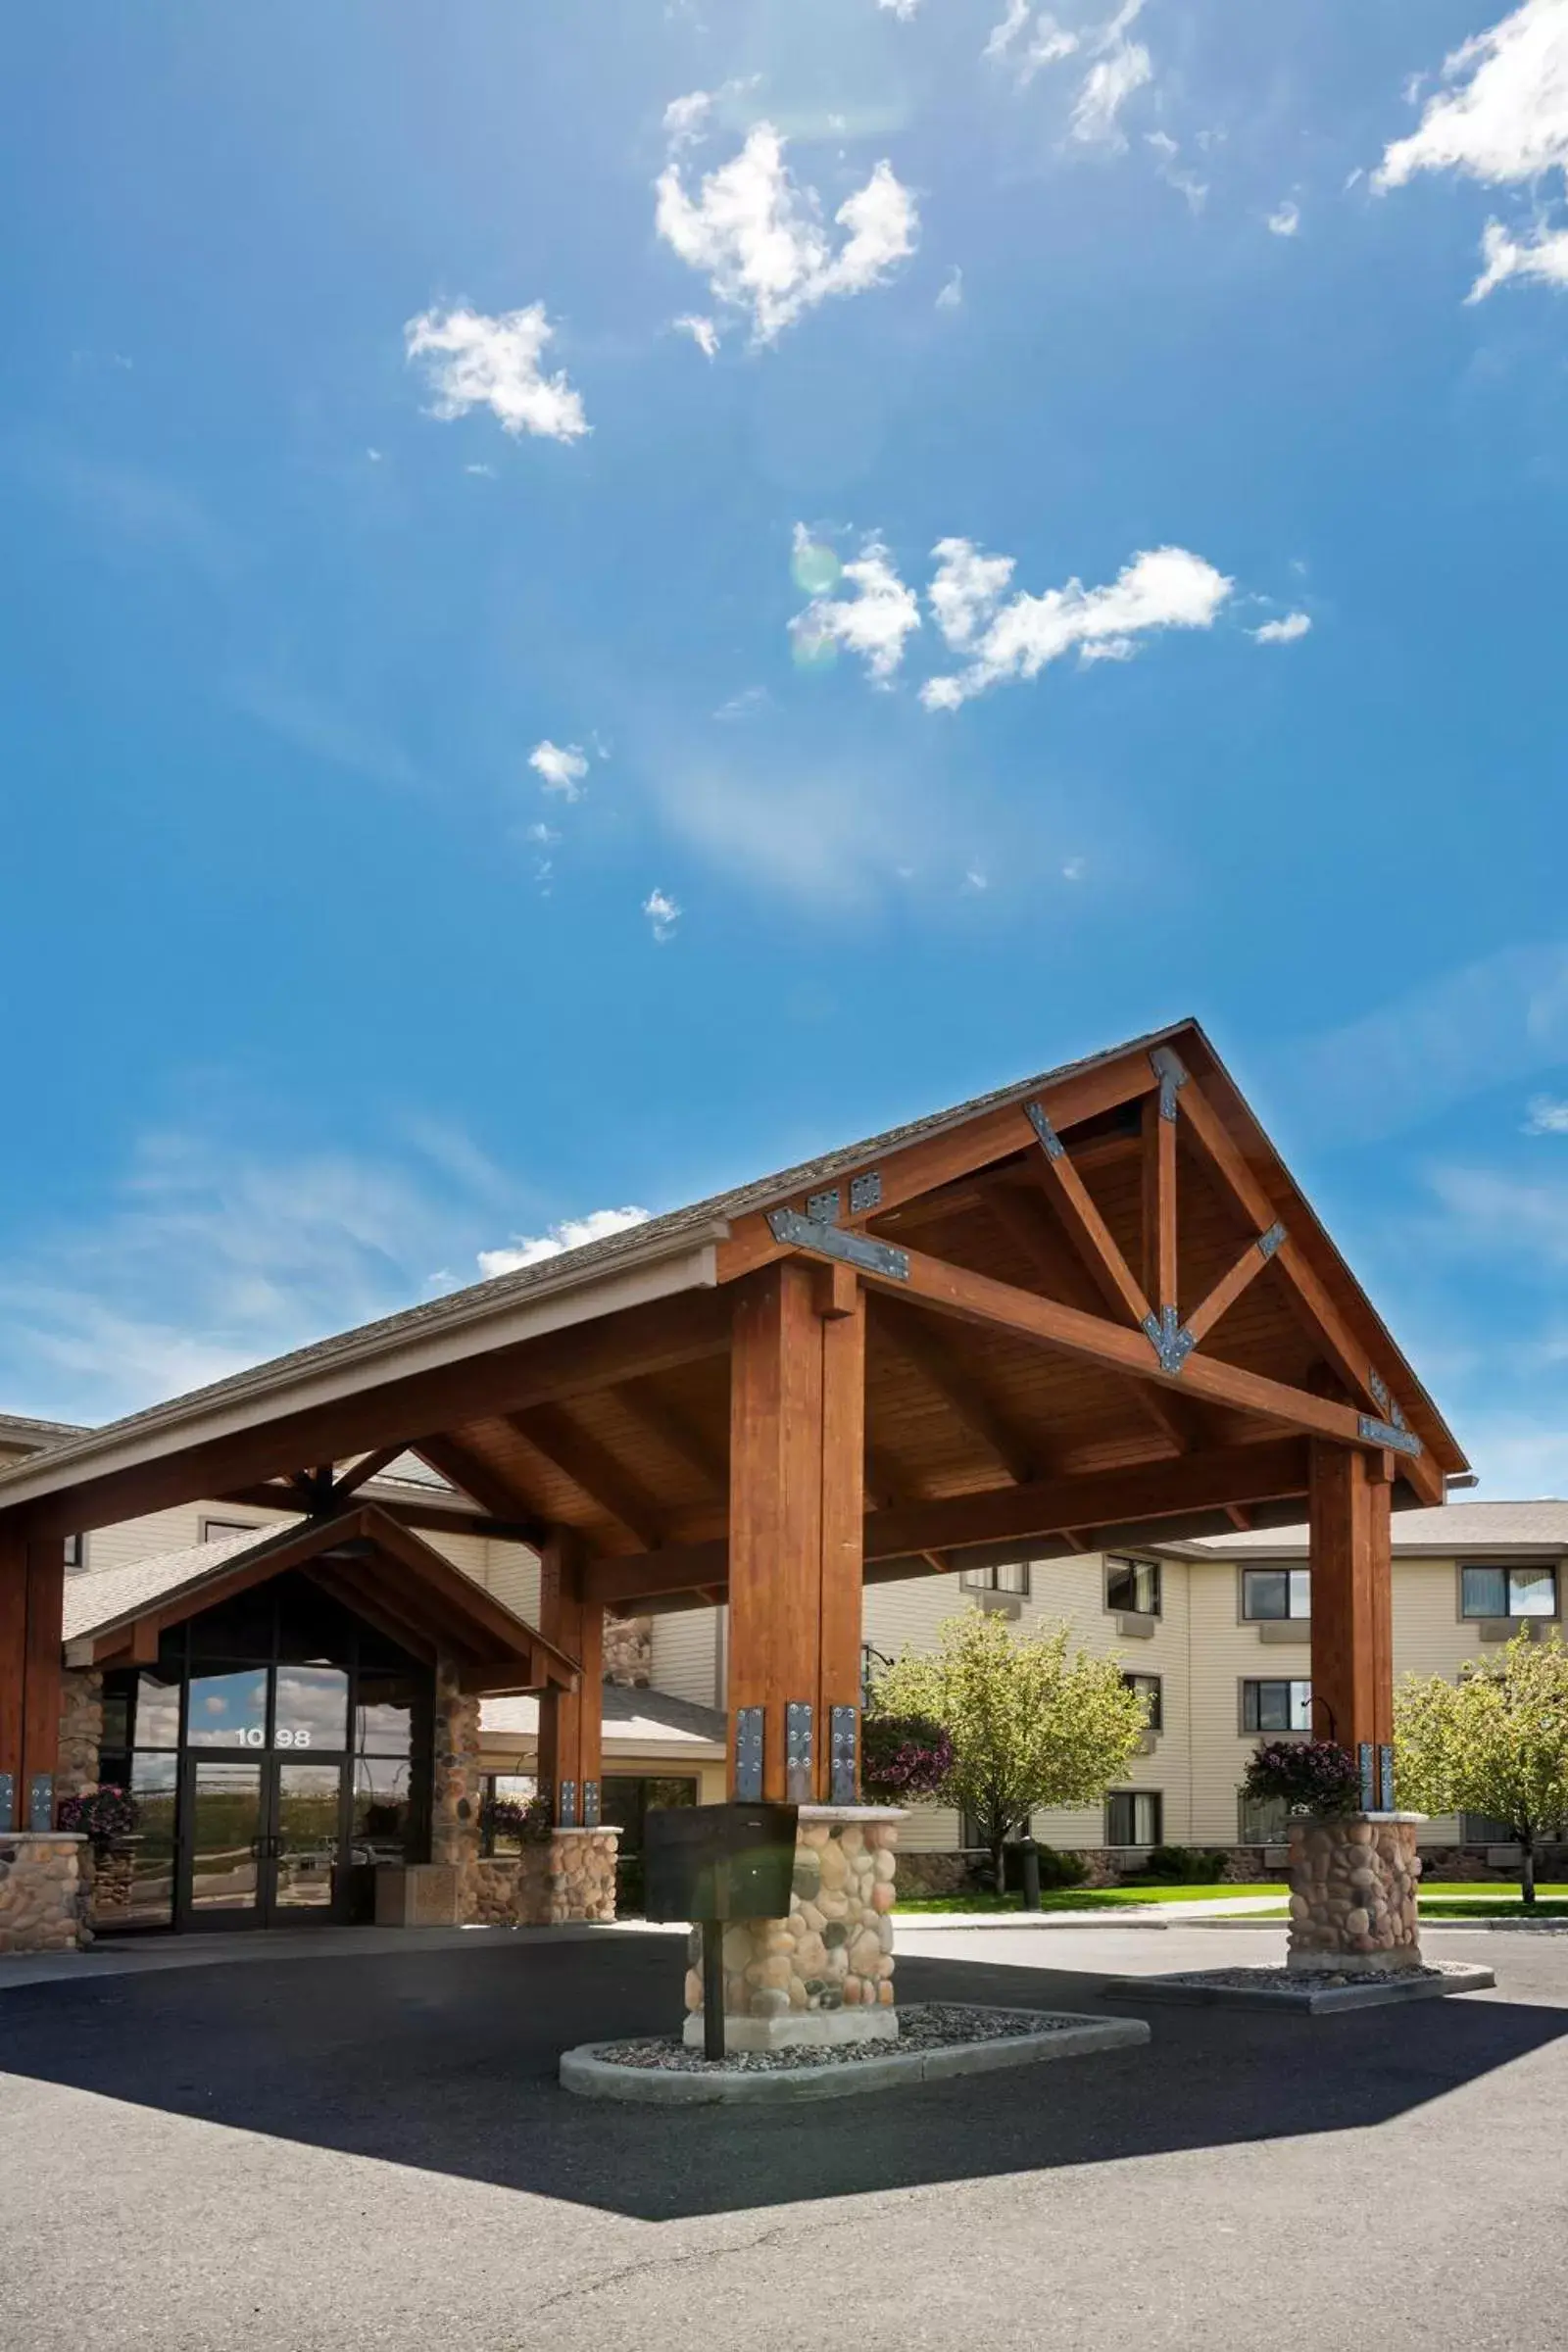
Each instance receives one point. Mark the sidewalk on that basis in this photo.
(1118, 1915)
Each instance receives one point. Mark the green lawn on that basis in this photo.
(1088, 1898)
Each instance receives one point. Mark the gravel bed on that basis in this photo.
(1308, 1979)
(922, 2025)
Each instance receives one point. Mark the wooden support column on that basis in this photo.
(796, 1516)
(32, 1575)
(571, 1722)
(1352, 1601)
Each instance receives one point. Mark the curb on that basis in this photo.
(593, 2073)
(1309, 2001)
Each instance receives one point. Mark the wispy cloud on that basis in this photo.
(1028, 39)
(1283, 632)
(1285, 220)
(873, 622)
(323, 729)
(756, 234)
(561, 767)
(1548, 1114)
(474, 360)
(572, 1233)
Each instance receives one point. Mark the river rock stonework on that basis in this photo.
(1354, 1888)
(629, 1651)
(40, 1892)
(826, 1973)
(569, 1882)
(455, 1785)
(81, 1729)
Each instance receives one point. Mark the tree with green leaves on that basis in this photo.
(1031, 1723)
(1493, 1742)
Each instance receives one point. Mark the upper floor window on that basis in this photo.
(1276, 1592)
(1269, 1706)
(1013, 1579)
(1150, 1690)
(1132, 1587)
(1508, 1592)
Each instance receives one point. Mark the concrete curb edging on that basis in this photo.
(1307, 2000)
(593, 2073)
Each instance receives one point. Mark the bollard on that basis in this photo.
(1031, 1874)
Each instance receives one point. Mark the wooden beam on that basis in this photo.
(368, 1466)
(570, 1722)
(40, 1713)
(1001, 1306)
(675, 1433)
(1273, 1471)
(945, 1154)
(1159, 1202)
(592, 1468)
(1223, 1296)
(636, 1342)
(1036, 1231)
(912, 1336)
(13, 1655)
(1352, 1669)
(1090, 1235)
(484, 1485)
(451, 1517)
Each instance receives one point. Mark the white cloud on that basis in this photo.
(485, 473)
(663, 914)
(757, 235)
(1502, 116)
(1076, 869)
(1162, 588)
(904, 9)
(572, 1233)
(1543, 256)
(702, 332)
(1285, 220)
(1283, 632)
(1046, 44)
(561, 766)
(1122, 68)
(1547, 1114)
(873, 622)
(686, 119)
(950, 296)
(976, 879)
(479, 361)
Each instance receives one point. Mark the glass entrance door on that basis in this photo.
(266, 1843)
(304, 1862)
(226, 1843)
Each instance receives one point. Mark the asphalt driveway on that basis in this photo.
(355, 2150)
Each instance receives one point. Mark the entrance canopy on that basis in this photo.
(381, 1572)
(1090, 1308)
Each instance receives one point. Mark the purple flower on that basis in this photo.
(903, 1757)
(1306, 1776)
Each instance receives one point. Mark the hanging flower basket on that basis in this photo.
(902, 1757)
(1312, 1779)
(103, 1816)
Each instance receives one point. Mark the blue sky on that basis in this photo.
(453, 786)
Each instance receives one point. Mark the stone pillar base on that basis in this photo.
(1353, 1883)
(826, 1973)
(569, 1882)
(43, 1891)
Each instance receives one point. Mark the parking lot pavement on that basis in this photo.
(373, 2151)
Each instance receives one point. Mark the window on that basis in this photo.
(76, 1551)
(1132, 1587)
(1150, 1689)
(1013, 1579)
(1265, 1824)
(1478, 1828)
(1271, 1594)
(1508, 1592)
(1135, 1817)
(214, 1530)
(498, 1793)
(1276, 1706)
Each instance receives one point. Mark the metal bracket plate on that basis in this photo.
(8, 1801)
(845, 1736)
(1171, 1071)
(568, 1816)
(1169, 1338)
(749, 1755)
(1389, 1434)
(1366, 1759)
(823, 1207)
(1269, 1241)
(799, 1741)
(1386, 1778)
(1051, 1141)
(1385, 1402)
(865, 1193)
(590, 1804)
(787, 1225)
(41, 1802)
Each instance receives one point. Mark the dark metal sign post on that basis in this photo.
(713, 1864)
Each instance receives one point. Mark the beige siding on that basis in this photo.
(688, 1655)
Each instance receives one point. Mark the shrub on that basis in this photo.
(101, 1815)
(528, 1824)
(1306, 1776)
(902, 1757)
(1185, 1866)
(1057, 1869)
